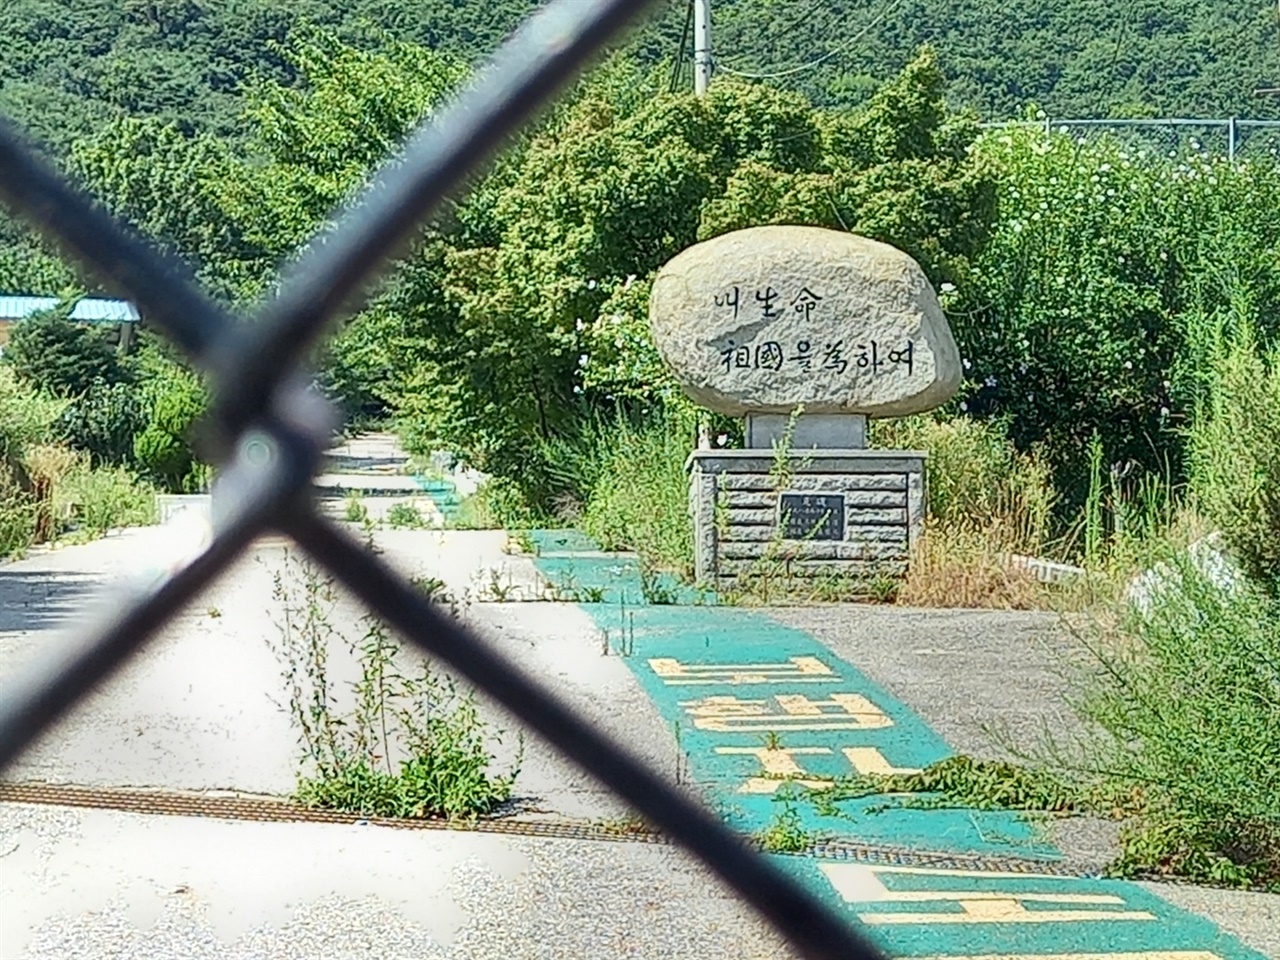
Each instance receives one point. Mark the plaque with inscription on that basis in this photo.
(811, 516)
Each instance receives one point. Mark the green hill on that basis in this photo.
(67, 65)
(1078, 58)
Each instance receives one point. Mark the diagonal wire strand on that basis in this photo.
(254, 369)
(805, 921)
(546, 52)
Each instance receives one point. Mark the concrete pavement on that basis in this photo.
(196, 711)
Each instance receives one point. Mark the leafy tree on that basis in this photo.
(55, 354)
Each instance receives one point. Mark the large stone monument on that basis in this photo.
(764, 322)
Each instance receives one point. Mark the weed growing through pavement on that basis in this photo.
(438, 592)
(566, 589)
(405, 516)
(654, 587)
(786, 833)
(497, 586)
(355, 511)
(397, 741)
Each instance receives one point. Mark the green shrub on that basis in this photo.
(640, 500)
(54, 354)
(175, 399)
(1082, 315)
(104, 420)
(498, 503)
(27, 416)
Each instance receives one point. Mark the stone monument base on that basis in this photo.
(811, 515)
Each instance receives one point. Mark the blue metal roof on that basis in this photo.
(88, 309)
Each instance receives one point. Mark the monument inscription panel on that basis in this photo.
(811, 516)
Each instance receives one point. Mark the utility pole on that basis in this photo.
(701, 46)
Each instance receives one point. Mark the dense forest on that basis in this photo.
(67, 67)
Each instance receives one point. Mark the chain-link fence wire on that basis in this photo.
(1258, 140)
(1233, 139)
(268, 430)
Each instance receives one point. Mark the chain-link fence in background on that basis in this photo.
(269, 429)
(1232, 138)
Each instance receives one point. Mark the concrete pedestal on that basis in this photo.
(809, 514)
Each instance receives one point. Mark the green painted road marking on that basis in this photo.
(753, 701)
(441, 492)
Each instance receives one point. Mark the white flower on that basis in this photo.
(963, 406)
(948, 288)
(722, 439)
(579, 325)
(1128, 364)
(582, 360)
(966, 364)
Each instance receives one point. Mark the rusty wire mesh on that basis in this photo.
(268, 431)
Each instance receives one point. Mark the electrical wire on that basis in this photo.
(891, 8)
(677, 66)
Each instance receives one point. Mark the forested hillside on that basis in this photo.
(67, 66)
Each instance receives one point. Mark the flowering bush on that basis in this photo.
(1085, 312)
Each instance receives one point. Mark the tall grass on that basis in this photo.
(986, 501)
(1188, 693)
(1187, 679)
(1235, 446)
(100, 499)
(976, 479)
(639, 499)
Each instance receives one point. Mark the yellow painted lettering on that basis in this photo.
(861, 884)
(795, 670)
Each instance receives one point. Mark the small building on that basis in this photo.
(121, 314)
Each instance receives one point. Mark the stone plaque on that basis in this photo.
(811, 516)
(768, 319)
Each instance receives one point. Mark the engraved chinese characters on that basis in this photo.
(770, 318)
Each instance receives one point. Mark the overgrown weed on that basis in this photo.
(396, 741)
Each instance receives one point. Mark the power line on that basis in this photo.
(677, 67)
(891, 8)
